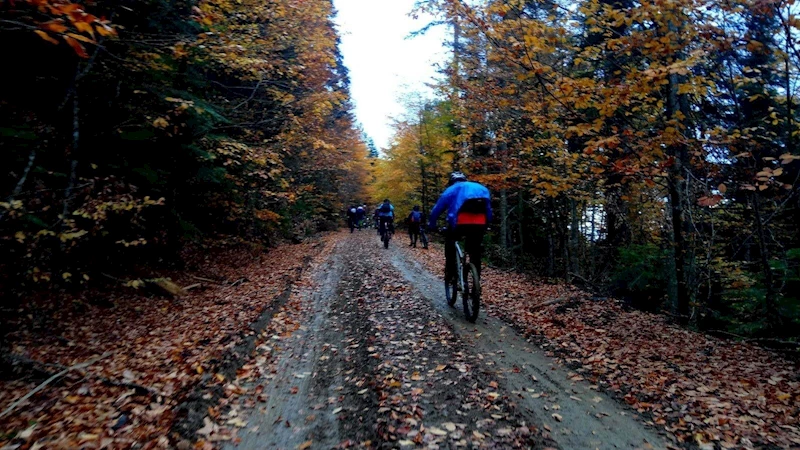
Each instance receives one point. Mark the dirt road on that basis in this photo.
(366, 353)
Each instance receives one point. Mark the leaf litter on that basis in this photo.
(399, 373)
(160, 350)
(703, 390)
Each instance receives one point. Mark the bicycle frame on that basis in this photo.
(461, 260)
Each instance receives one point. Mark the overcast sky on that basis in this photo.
(384, 65)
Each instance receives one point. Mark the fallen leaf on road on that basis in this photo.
(237, 422)
(208, 427)
(26, 433)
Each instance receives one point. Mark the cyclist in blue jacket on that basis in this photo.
(385, 216)
(415, 218)
(469, 212)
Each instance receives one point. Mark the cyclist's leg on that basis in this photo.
(386, 225)
(473, 244)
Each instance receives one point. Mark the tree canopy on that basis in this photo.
(130, 128)
(645, 150)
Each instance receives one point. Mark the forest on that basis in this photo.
(133, 129)
(641, 150)
(174, 272)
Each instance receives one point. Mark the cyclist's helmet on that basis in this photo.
(455, 177)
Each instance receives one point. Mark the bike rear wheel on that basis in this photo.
(385, 239)
(472, 292)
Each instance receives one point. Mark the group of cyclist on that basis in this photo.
(356, 216)
(469, 212)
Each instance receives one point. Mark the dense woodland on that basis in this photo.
(643, 150)
(131, 129)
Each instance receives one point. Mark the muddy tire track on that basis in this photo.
(576, 414)
(359, 358)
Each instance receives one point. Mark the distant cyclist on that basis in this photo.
(351, 217)
(469, 212)
(386, 216)
(361, 212)
(414, 225)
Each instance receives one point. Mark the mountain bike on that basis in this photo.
(467, 282)
(386, 235)
(423, 237)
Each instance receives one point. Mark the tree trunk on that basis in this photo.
(422, 165)
(677, 181)
(73, 166)
(22, 179)
(788, 87)
(770, 306)
(574, 238)
(504, 222)
(424, 176)
(551, 245)
(520, 225)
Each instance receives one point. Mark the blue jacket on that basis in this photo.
(454, 197)
(383, 214)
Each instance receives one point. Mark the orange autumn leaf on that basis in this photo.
(45, 36)
(76, 46)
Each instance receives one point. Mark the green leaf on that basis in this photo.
(138, 135)
(19, 133)
(793, 253)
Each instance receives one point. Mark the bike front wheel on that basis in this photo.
(472, 292)
(451, 291)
